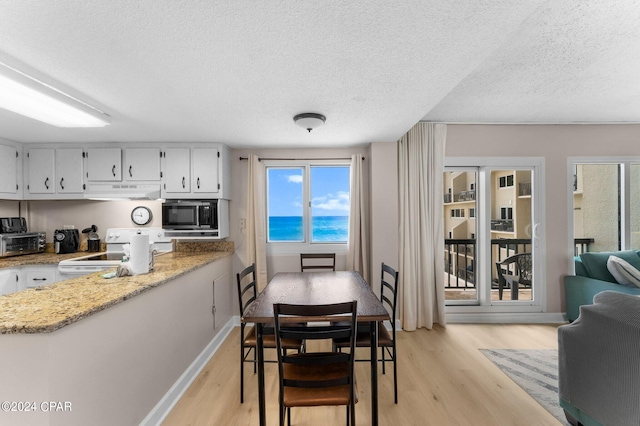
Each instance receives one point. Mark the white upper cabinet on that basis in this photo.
(54, 173)
(201, 171)
(104, 164)
(69, 176)
(205, 170)
(9, 171)
(176, 172)
(41, 175)
(142, 164)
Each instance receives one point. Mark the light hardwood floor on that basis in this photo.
(443, 379)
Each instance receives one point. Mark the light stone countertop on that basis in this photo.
(49, 308)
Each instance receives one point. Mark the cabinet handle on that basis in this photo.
(113, 170)
(198, 181)
(46, 183)
(130, 174)
(182, 182)
(62, 183)
(39, 279)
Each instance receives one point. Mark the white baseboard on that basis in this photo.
(162, 409)
(507, 318)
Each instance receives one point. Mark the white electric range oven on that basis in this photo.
(115, 239)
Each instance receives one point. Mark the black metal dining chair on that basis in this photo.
(247, 293)
(514, 271)
(386, 340)
(320, 378)
(317, 261)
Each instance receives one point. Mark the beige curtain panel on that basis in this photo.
(256, 225)
(421, 233)
(357, 257)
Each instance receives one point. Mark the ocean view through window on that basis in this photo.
(308, 203)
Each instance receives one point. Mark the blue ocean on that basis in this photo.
(324, 228)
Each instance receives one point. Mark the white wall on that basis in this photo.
(555, 143)
(47, 216)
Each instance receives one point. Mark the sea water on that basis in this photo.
(324, 228)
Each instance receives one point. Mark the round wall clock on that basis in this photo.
(141, 215)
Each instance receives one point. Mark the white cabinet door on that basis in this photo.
(41, 175)
(221, 300)
(142, 164)
(8, 170)
(36, 276)
(104, 164)
(69, 178)
(8, 281)
(205, 170)
(177, 171)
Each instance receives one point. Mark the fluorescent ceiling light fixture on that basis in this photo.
(27, 96)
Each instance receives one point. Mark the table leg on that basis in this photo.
(260, 359)
(374, 372)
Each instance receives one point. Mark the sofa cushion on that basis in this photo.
(623, 272)
(596, 263)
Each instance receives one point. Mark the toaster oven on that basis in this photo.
(15, 244)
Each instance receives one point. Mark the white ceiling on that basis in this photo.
(237, 71)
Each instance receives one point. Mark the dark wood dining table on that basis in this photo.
(315, 288)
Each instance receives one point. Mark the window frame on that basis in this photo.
(295, 247)
(625, 163)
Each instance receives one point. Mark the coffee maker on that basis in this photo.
(66, 240)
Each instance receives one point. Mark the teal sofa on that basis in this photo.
(593, 277)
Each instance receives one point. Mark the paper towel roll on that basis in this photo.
(139, 254)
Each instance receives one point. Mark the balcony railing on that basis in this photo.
(460, 256)
(524, 188)
(502, 225)
(460, 197)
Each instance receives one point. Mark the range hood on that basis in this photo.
(122, 191)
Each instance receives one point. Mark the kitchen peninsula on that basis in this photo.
(114, 348)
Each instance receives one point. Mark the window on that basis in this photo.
(307, 203)
(606, 204)
(506, 181)
(506, 213)
(472, 212)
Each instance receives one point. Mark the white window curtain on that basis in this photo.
(357, 256)
(421, 233)
(256, 226)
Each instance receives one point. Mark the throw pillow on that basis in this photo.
(623, 272)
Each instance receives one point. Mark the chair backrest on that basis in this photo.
(247, 291)
(389, 290)
(523, 262)
(522, 265)
(343, 317)
(309, 261)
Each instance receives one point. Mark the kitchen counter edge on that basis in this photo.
(49, 308)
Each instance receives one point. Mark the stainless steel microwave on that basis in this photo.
(197, 217)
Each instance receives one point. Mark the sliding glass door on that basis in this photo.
(492, 237)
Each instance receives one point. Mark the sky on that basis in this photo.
(329, 191)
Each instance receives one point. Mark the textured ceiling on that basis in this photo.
(238, 71)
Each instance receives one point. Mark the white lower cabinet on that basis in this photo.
(8, 281)
(36, 276)
(25, 277)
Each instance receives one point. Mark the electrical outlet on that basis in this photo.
(243, 223)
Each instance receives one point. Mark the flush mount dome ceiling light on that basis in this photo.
(309, 120)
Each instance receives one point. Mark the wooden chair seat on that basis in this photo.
(269, 341)
(363, 337)
(312, 397)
